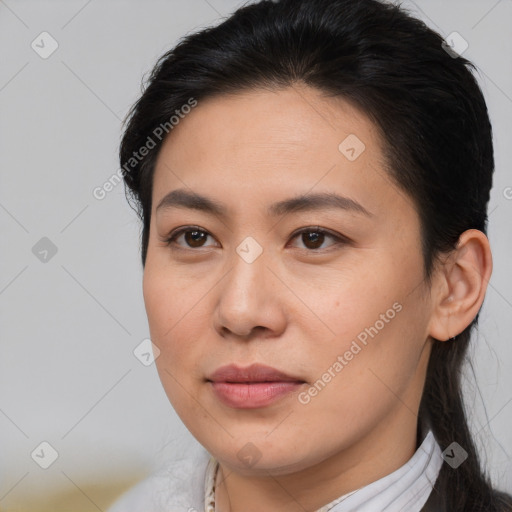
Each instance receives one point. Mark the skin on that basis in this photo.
(295, 307)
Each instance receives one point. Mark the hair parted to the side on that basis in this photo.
(429, 110)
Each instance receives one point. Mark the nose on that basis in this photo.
(251, 300)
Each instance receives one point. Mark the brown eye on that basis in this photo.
(314, 237)
(193, 238)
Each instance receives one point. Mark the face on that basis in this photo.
(328, 292)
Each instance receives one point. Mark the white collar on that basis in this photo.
(405, 490)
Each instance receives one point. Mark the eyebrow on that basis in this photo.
(181, 198)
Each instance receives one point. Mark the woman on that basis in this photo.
(313, 178)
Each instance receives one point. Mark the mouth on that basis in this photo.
(252, 387)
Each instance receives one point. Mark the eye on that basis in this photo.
(313, 237)
(194, 237)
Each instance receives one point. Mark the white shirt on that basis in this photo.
(188, 486)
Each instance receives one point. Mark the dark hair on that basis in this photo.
(429, 110)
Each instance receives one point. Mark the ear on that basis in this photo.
(460, 285)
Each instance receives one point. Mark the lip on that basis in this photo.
(254, 373)
(253, 386)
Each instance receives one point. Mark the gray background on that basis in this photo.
(69, 325)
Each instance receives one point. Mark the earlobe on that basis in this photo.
(461, 284)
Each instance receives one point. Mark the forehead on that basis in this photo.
(297, 117)
(260, 143)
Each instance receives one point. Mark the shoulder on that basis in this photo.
(178, 486)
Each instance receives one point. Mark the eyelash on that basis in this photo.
(339, 239)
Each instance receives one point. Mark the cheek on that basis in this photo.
(166, 310)
(375, 324)
(158, 302)
(349, 300)
(178, 317)
(167, 298)
(354, 383)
